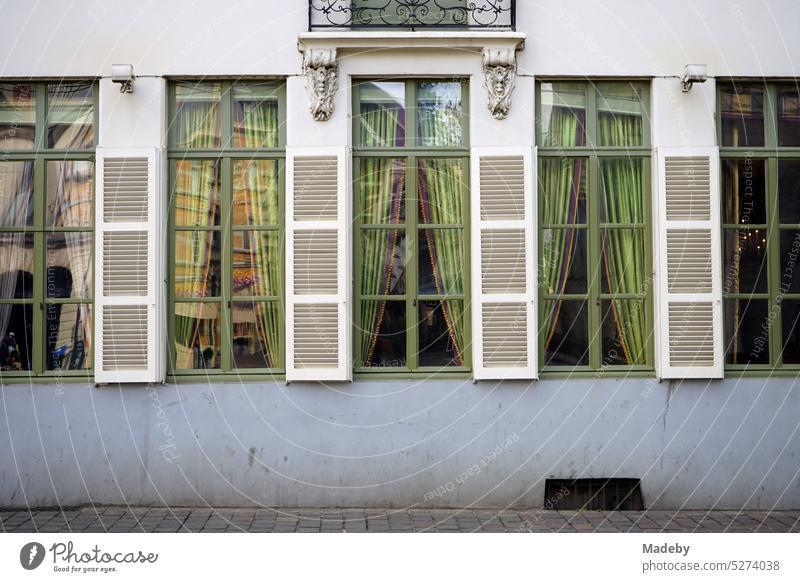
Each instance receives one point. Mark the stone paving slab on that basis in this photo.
(160, 519)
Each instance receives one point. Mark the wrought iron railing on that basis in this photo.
(411, 14)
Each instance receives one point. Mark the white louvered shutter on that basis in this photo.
(503, 263)
(317, 265)
(129, 267)
(688, 276)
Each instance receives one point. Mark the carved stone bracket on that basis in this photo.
(322, 79)
(499, 74)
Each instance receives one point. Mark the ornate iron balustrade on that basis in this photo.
(411, 14)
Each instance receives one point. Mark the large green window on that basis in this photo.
(411, 247)
(595, 308)
(759, 136)
(226, 214)
(47, 142)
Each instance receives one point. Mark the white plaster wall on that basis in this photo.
(135, 119)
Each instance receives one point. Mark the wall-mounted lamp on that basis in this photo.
(123, 74)
(693, 74)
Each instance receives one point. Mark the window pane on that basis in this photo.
(439, 114)
(622, 255)
(789, 116)
(16, 194)
(256, 335)
(197, 336)
(441, 333)
(70, 193)
(69, 337)
(197, 263)
(563, 112)
(563, 261)
(383, 334)
(625, 332)
(619, 114)
(563, 185)
(441, 187)
(442, 260)
(742, 115)
(383, 262)
(744, 192)
(621, 191)
(789, 191)
(790, 261)
(255, 115)
(16, 331)
(746, 331)
(255, 192)
(16, 265)
(382, 118)
(745, 261)
(382, 190)
(790, 322)
(197, 115)
(566, 339)
(69, 265)
(256, 263)
(196, 193)
(17, 117)
(70, 115)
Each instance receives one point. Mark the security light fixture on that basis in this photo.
(123, 74)
(693, 74)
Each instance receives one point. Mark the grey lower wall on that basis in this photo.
(723, 444)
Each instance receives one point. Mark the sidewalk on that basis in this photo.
(142, 519)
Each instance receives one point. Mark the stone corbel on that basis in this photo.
(499, 73)
(322, 79)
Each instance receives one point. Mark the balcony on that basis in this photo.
(411, 15)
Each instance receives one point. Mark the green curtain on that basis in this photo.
(199, 123)
(256, 124)
(381, 125)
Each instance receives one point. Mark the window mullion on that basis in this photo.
(40, 266)
(226, 251)
(593, 243)
(412, 270)
(774, 262)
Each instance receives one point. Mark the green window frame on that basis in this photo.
(415, 161)
(609, 305)
(48, 136)
(244, 161)
(758, 129)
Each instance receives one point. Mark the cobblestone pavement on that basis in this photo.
(159, 519)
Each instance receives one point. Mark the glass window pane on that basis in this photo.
(197, 263)
(625, 332)
(441, 188)
(16, 265)
(16, 194)
(789, 191)
(197, 336)
(382, 190)
(255, 192)
(619, 114)
(382, 119)
(746, 331)
(196, 193)
(563, 114)
(70, 193)
(198, 122)
(383, 334)
(441, 333)
(566, 338)
(256, 263)
(257, 328)
(621, 183)
(442, 260)
(68, 336)
(383, 262)
(745, 253)
(562, 182)
(255, 115)
(16, 331)
(790, 261)
(69, 265)
(744, 192)
(742, 115)
(622, 257)
(70, 115)
(789, 116)
(17, 117)
(563, 265)
(439, 114)
(790, 323)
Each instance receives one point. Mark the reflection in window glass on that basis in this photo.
(17, 116)
(619, 114)
(744, 192)
(70, 193)
(256, 329)
(790, 324)
(746, 331)
(438, 346)
(790, 261)
(563, 184)
(198, 269)
(563, 114)
(742, 115)
(68, 336)
(198, 120)
(255, 193)
(622, 252)
(16, 337)
(563, 267)
(196, 193)
(439, 114)
(789, 191)
(256, 263)
(789, 116)
(70, 115)
(382, 118)
(745, 254)
(69, 265)
(16, 265)
(441, 256)
(621, 181)
(197, 336)
(382, 190)
(255, 115)
(16, 194)
(383, 266)
(624, 321)
(383, 337)
(566, 339)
